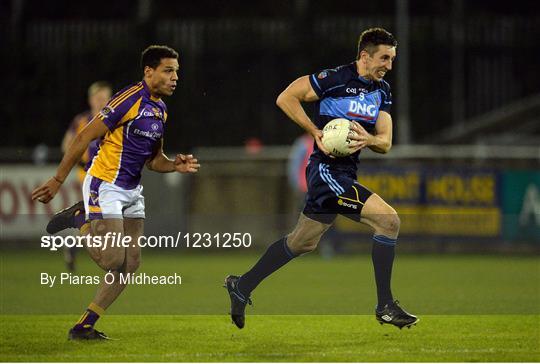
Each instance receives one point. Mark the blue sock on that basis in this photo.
(382, 255)
(276, 256)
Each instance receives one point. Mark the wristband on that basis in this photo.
(58, 180)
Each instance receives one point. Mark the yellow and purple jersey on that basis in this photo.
(136, 123)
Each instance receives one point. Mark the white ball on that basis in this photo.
(336, 137)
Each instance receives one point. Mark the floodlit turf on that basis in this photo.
(437, 285)
(276, 338)
(472, 308)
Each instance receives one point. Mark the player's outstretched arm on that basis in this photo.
(95, 129)
(290, 102)
(182, 163)
(381, 142)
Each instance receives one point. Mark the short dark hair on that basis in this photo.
(153, 55)
(373, 37)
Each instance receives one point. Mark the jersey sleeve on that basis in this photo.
(324, 81)
(386, 102)
(119, 105)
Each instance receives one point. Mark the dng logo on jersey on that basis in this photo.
(357, 108)
(364, 107)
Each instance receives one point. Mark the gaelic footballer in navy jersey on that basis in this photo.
(355, 91)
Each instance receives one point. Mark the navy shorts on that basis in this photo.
(333, 190)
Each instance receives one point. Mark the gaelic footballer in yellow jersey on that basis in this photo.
(131, 129)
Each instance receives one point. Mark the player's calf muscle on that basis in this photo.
(113, 259)
(132, 267)
(301, 245)
(132, 263)
(306, 235)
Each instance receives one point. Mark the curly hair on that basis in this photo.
(152, 55)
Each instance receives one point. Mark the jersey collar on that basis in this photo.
(147, 92)
(355, 71)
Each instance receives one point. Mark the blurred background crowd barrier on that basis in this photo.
(455, 196)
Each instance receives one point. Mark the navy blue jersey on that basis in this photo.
(345, 94)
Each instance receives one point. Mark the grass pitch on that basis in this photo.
(276, 338)
(472, 308)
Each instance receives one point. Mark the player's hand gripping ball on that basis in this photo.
(336, 137)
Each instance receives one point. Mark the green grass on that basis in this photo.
(276, 338)
(472, 308)
(309, 285)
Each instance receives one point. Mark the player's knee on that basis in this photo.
(112, 262)
(390, 222)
